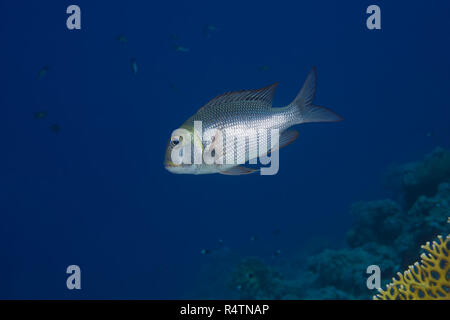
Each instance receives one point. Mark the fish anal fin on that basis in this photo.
(286, 138)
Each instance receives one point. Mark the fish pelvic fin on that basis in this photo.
(238, 171)
(303, 106)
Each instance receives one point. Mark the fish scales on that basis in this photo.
(246, 117)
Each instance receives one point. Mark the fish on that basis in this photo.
(133, 65)
(55, 128)
(173, 87)
(174, 37)
(43, 72)
(208, 29)
(237, 115)
(121, 38)
(40, 114)
(205, 252)
(263, 68)
(179, 48)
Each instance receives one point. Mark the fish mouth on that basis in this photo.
(170, 164)
(173, 168)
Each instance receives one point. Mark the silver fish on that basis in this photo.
(242, 113)
(134, 67)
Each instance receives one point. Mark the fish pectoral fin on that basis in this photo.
(238, 171)
(286, 138)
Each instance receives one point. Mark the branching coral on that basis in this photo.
(427, 280)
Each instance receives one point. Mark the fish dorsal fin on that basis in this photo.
(258, 98)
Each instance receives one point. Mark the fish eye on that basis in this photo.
(175, 140)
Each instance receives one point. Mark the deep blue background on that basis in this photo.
(97, 195)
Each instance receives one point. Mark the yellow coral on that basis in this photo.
(427, 280)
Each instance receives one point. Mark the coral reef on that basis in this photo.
(427, 280)
(345, 269)
(420, 178)
(426, 219)
(385, 232)
(254, 279)
(375, 221)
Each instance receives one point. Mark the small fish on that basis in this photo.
(134, 68)
(276, 231)
(241, 113)
(55, 128)
(43, 72)
(205, 252)
(121, 38)
(220, 241)
(173, 86)
(263, 68)
(210, 27)
(277, 253)
(180, 48)
(253, 238)
(40, 114)
(174, 37)
(208, 30)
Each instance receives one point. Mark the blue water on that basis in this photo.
(96, 194)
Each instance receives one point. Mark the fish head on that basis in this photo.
(183, 144)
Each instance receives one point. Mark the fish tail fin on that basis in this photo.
(303, 107)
